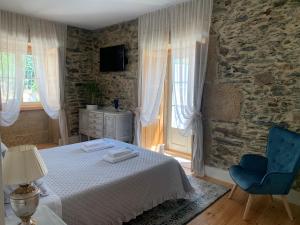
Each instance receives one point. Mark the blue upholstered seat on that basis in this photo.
(245, 178)
(275, 173)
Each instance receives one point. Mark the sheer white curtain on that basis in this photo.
(48, 51)
(153, 57)
(190, 23)
(13, 48)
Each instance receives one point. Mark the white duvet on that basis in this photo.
(95, 192)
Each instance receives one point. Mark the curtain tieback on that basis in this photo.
(62, 107)
(197, 116)
(137, 111)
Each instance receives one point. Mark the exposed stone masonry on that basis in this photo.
(83, 62)
(79, 63)
(121, 85)
(254, 60)
(31, 127)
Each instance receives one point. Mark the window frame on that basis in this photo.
(30, 106)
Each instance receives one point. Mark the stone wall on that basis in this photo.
(83, 63)
(79, 63)
(253, 79)
(121, 85)
(32, 127)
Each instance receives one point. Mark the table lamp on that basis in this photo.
(21, 166)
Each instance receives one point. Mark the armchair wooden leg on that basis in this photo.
(287, 206)
(271, 198)
(232, 191)
(248, 206)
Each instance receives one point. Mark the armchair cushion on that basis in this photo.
(254, 162)
(283, 151)
(273, 183)
(245, 178)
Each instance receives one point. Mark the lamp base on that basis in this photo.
(24, 202)
(30, 222)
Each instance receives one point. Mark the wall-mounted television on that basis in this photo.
(112, 58)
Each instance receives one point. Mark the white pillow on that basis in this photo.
(3, 149)
(7, 189)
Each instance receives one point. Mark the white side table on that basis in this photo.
(43, 216)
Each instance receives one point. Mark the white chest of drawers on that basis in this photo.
(106, 124)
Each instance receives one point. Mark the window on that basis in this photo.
(30, 98)
(180, 85)
(178, 99)
(30, 93)
(7, 72)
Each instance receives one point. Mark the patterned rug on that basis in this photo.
(179, 212)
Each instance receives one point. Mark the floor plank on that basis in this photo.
(45, 146)
(230, 211)
(226, 211)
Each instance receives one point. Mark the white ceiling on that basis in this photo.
(89, 14)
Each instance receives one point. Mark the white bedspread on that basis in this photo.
(53, 201)
(95, 192)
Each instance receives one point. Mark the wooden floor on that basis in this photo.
(44, 146)
(229, 212)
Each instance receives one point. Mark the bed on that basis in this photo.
(91, 191)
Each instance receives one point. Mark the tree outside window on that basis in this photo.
(7, 70)
(30, 93)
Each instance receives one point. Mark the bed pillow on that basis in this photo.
(43, 187)
(6, 189)
(43, 190)
(3, 149)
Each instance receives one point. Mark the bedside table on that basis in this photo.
(43, 216)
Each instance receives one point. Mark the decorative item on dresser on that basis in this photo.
(106, 124)
(94, 94)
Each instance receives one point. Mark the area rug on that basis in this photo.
(179, 212)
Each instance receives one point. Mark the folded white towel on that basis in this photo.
(115, 153)
(98, 147)
(94, 143)
(110, 159)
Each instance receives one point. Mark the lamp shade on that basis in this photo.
(22, 165)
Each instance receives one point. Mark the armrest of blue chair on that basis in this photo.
(274, 183)
(254, 162)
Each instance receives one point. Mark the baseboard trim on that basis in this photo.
(223, 175)
(74, 139)
(218, 174)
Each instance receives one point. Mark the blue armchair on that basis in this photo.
(270, 175)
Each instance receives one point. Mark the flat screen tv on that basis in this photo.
(112, 58)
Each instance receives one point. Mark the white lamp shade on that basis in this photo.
(22, 165)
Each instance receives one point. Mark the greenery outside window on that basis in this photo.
(31, 99)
